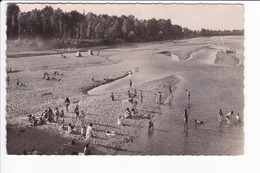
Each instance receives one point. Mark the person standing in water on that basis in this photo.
(220, 115)
(170, 89)
(186, 118)
(188, 95)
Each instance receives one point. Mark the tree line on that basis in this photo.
(57, 24)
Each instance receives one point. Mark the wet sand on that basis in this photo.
(212, 86)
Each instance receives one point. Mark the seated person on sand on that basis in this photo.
(61, 124)
(220, 115)
(69, 128)
(127, 113)
(198, 122)
(62, 114)
(133, 112)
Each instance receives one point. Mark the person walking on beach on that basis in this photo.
(112, 96)
(76, 110)
(186, 118)
(159, 98)
(229, 117)
(188, 95)
(67, 103)
(89, 133)
(130, 83)
(141, 97)
(220, 115)
(8, 80)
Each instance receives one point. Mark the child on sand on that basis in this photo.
(87, 150)
(82, 130)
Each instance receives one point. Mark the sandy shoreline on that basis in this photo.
(154, 76)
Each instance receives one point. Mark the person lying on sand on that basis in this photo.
(19, 83)
(198, 122)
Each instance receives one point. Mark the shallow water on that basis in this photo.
(212, 87)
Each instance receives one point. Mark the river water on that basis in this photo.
(212, 87)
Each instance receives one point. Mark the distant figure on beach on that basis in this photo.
(128, 93)
(135, 93)
(127, 113)
(112, 96)
(89, 133)
(8, 80)
(76, 110)
(186, 117)
(238, 119)
(67, 103)
(141, 97)
(130, 83)
(159, 98)
(87, 150)
(150, 125)
(98, 53)
(229, 116)
(220, 115)
(188, 95)
(198, 122)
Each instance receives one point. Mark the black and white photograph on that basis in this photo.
(124, 79)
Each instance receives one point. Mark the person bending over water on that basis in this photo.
(229, 117)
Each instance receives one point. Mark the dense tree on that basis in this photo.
(12, 21)
(49, 23)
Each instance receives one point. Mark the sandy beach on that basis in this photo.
(214, 78)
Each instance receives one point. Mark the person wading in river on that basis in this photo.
(186, 118)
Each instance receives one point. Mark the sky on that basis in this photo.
(195, 17)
